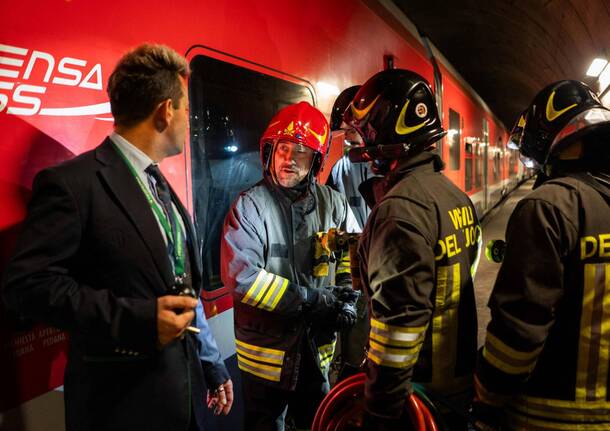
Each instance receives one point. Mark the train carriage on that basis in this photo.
(248, 60)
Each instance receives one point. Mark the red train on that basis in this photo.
(248, 59)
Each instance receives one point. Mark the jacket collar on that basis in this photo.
(128, 194)
(373, 189)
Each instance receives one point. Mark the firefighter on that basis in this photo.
(289, 297)
(418, 253)
(544, 364)
(346, 177)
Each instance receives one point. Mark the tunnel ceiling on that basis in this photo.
(509, 50)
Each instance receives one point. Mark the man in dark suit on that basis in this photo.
(109, 254)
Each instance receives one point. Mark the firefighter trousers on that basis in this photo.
(267, 407)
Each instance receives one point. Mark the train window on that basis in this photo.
(454, 140)
(498, 160)
(230, 107)
(478, 165)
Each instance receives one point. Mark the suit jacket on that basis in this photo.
(91, 260)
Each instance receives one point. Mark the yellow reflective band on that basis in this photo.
(254, 287)
(593, 347)
(392, 361)
(604, 339)
(403, 333)
(344, 264)
(265, 302)
(280, 294)
(263, 350)
(508, 368)
(267, 281)
(263, 371)
(525, 423)
(391, 350)
(585, 411)
(325, 353)
(385, 340)
(254, 356)
(445, 326)
(519, 355)
(584, 343)
(327, 347)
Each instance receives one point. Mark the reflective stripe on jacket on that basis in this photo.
(548, 344)
(418, 253)
(268, 258)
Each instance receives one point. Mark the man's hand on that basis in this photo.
(221, 400)
(174, 314)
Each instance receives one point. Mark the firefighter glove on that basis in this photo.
(319, 302)
(346, 294)
(346, 314)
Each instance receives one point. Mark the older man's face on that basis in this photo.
(291, 163)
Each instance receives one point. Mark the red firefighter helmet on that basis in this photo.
(302, 124)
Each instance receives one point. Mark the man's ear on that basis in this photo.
(163, 115)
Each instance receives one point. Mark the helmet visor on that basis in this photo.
(581, 124)
(349, 136)
(514, 140)
(528, 162)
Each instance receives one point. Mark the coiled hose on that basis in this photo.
(342, 408)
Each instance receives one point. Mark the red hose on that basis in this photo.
(335, 412)
(428, 418)
(342, 391)
(415, 413)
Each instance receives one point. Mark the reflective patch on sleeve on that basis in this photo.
(266, 291)
(394, 346)
(507, 359)
(262, 281)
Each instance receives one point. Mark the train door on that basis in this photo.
(230, 106)
(485, 164)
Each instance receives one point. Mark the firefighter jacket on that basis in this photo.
(546, 353)
(418, 254)
(271, 258)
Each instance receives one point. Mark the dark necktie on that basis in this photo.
(165, 197)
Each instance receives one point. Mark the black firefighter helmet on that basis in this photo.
(396, 115)
(341, 104)
(560, 112)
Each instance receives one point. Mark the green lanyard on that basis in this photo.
(178, 259)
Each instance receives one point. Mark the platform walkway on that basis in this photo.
(494, 227)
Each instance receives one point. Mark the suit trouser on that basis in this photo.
(267, 406)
